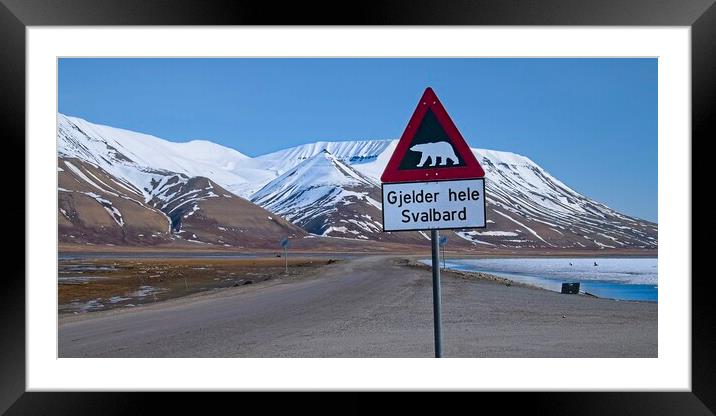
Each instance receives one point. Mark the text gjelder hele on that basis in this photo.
(431, 214)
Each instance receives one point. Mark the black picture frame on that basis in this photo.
(16, 15)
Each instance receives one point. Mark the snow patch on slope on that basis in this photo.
(140, 158)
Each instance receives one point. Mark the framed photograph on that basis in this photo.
(331, 202)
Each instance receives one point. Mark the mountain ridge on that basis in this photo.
(333, 188)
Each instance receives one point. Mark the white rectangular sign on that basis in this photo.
(434, 205)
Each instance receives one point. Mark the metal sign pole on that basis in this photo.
(434, 235)
(285, 257)
(418, 195)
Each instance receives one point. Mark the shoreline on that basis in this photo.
(598, 285)
(488, 277)
(482, 276)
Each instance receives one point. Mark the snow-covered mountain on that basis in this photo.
(125, 188)
(348, 152)
(526, 206)
(142, 159)
(97, 208)
(333, 189)
(325, 196)
(527, 203)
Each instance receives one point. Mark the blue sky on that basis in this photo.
(592, 123)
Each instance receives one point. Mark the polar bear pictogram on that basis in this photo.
(442, 150)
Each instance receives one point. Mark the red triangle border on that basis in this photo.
(472, 168)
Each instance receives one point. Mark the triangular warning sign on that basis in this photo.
(431, 148)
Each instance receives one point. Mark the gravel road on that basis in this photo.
(368, 307)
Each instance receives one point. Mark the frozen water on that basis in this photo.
(617, 270)
(620, 278)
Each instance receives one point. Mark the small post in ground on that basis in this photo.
(284, 244)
